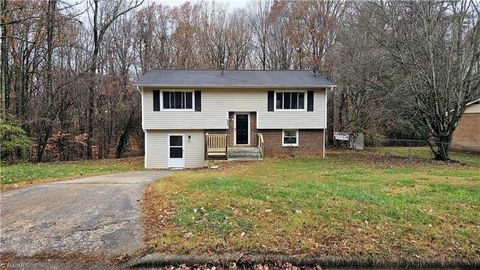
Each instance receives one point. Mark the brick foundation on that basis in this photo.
(467, 134)
(310, 143)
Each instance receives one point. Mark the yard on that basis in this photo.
(355, 206)
(14, 176)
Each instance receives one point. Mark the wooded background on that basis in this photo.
(403, 69)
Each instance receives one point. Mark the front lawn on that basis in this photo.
(425, 153)
(363, 206)
(12, 176)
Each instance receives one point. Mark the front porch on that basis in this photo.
(217, 147)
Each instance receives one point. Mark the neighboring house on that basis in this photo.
(189, 116)
(467, 134)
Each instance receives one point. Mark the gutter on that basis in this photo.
(176, 86)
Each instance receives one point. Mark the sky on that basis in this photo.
(231, 4)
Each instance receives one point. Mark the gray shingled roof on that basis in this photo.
(178, 78)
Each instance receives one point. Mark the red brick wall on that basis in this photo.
(253, 129)
(310, 143)
(467, 134)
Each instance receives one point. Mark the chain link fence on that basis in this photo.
(401, 148)
(414, 148)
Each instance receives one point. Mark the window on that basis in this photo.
(290, 138)
(290, 101)
(177, 100)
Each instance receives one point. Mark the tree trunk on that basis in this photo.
(441, 147)
(91, 88)
(4, 64)
(51, 113)
(122, 142)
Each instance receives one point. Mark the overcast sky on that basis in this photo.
(231, 4)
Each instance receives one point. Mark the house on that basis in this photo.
(467, 134)
(189, 116)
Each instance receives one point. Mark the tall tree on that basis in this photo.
(112, 10)
(436, 47)
(46, 122)
(4, 61)
(258, 18)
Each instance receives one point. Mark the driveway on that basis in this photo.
(89, 214)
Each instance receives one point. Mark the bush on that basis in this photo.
(371, 138)
(14, 142)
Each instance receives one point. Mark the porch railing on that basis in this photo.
(216, 145)
(261, 144)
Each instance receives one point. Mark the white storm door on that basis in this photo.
(176, 151)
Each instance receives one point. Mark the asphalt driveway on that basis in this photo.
(89, 214)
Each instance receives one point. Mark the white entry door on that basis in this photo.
(176, 151)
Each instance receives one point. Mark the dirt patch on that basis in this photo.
(390, 160)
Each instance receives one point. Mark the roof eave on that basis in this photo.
(163, 86)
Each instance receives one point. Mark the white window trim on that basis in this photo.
(290, 110)
(177, 110)
(235, 128)
(290, 144)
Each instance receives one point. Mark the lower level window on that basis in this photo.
(290, 138)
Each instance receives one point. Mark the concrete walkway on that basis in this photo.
(89, 214)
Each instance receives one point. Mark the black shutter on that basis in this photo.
(271, 100)
(198, 101)
(310, 101)
(156, 100)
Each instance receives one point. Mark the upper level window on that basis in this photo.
(290, 101)
(179, 100)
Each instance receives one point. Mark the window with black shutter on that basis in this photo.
(177, 100)
(156, 100)
(198, 101)
(270, 101)
(310, 101)
(290, 101)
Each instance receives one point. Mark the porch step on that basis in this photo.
(243, 153)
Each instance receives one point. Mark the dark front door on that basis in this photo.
(241, 121)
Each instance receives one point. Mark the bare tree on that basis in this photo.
(112, 11)
(258, 18)
(4, 61)
(436, 47)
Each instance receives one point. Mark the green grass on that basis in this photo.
(26, 173)
(347, 204)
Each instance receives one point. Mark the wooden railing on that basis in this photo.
(216, 145)
(261, 144)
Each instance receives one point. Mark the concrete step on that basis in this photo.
(243, 153)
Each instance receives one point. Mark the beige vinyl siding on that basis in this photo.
(216, 103)
(156, 144)
(474, 108)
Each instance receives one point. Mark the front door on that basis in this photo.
(176, 157)
(241, 128)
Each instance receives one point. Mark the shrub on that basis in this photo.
(14, 142)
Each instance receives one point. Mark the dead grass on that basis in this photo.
(66, 259)
(363, 206)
